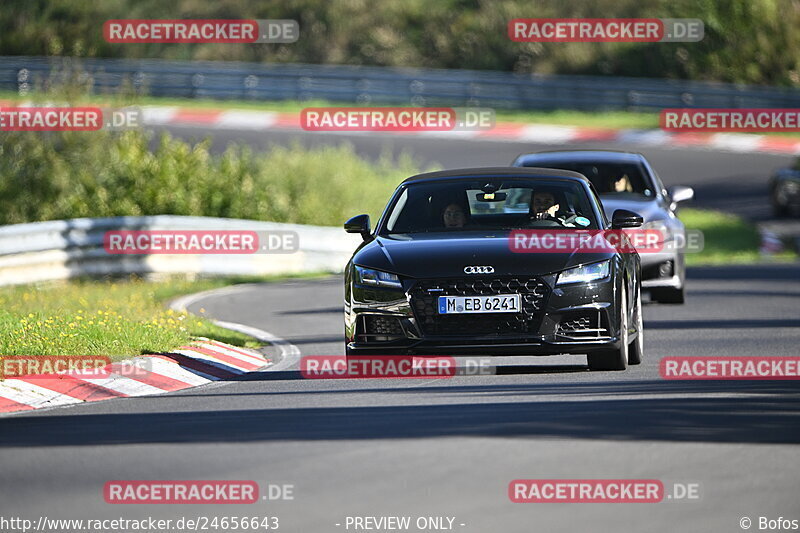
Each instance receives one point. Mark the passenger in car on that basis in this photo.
(454, 216)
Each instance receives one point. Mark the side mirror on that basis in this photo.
(625, 219)
(679, 194)
(358, 224)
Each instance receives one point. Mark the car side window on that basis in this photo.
(659, 185)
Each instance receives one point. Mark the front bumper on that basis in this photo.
(486, 347)
(575, 318)
(663, 269)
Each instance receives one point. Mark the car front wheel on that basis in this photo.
(615, 359)
(636, 348)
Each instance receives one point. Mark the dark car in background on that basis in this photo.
(626, 180)
(438, 276)
(784, 189)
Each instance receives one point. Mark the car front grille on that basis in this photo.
(424, 302)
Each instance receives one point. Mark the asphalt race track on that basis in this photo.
(450, 447)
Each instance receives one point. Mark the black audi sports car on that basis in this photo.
(626, 180)
(437, 274)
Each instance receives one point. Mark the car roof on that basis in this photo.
(585, 155)
(498, 172)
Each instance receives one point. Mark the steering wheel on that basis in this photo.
(545, 223)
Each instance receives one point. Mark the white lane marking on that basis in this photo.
(158, 115)
(290, 354)
(547, 134)
(182, 304)
(126, 386)
(172, 370)
(16, 396)
(246, 120)
(451, 134)
(249, 358)
(211, 361)
(735, 142)
(33, 395)
(647, 137)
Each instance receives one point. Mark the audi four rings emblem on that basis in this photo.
(478, 270)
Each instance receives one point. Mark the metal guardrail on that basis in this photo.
(62, 249)
(394, 86)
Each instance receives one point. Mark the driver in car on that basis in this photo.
(544, 207)
(620, 184)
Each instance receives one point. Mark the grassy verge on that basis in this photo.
(119, 319)
(728, 238)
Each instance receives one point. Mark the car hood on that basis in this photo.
(647, 208)
(442, 255)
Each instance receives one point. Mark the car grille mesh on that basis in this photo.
(587, 324)
(425, 295)
(383, 325)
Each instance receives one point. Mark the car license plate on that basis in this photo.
(499, 303)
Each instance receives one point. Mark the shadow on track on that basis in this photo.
(761, 272)
(752, 412)
(722, 324)
(339, 310)
(289, 375)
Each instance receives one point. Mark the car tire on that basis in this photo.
(780, 211)
(636, 348)
(614, 359)
(667, 295)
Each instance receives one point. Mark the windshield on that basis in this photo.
(607, 178)
(490, 205)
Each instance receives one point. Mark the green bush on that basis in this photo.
(99, 174)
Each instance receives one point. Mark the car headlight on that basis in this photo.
(585, 273)
(377, 278)
(661, 227)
